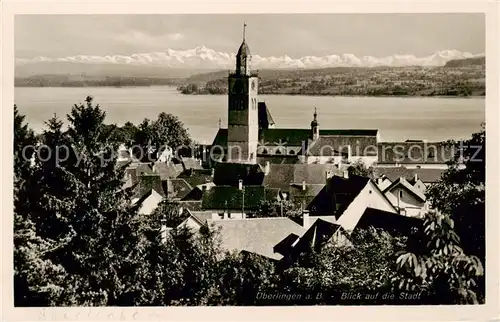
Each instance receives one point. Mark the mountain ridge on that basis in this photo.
(202, 58)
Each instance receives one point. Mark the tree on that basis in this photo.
(87, 228)
(460, 193)
(436, 265)
(24, 141)
(359, 168)
(124, 134)
(151, 136)
(365, 264)
(241, 276)
(168, 211)
(52, 187)
(37, 280)
(444, 269)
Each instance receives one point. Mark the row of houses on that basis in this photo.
(332, 202)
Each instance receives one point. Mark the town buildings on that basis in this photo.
(254, 161)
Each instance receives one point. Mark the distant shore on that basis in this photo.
(354, 95)
(222, 94)
(456, 82)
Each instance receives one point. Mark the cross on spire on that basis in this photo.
(315, 114)
(244, 27)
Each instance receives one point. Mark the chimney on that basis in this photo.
(346, 174)
(415, 177)
(240, 184)
(153, 167)
(305, 219)
(303, 185)
(212, 172)
(181, 210)
(267, 168)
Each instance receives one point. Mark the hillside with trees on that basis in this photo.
(93, 81)
(476, 61)
(350, 81)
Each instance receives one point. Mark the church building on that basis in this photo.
(252, 137)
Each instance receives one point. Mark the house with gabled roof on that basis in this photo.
(255, 235)
(196, 219)
(407, 198)
(196, 177)
(394, 224)
(177, 189)
(282, 176)
(149, 192)
(352, 196)
(312, 240)
(427, 175)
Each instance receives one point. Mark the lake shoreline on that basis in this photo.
(277, 94)
(397, 118)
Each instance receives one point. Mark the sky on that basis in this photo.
(295, 35)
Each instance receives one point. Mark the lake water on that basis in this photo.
(397, 118)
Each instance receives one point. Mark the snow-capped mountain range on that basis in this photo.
(202, 57)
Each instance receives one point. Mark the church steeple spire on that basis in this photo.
(243, 56)
(315, 125)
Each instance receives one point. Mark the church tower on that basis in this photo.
(243, 120)
(315, 126)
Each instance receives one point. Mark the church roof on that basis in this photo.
(329, 145)
(359, 140)
(265, 118)
(295, 137)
